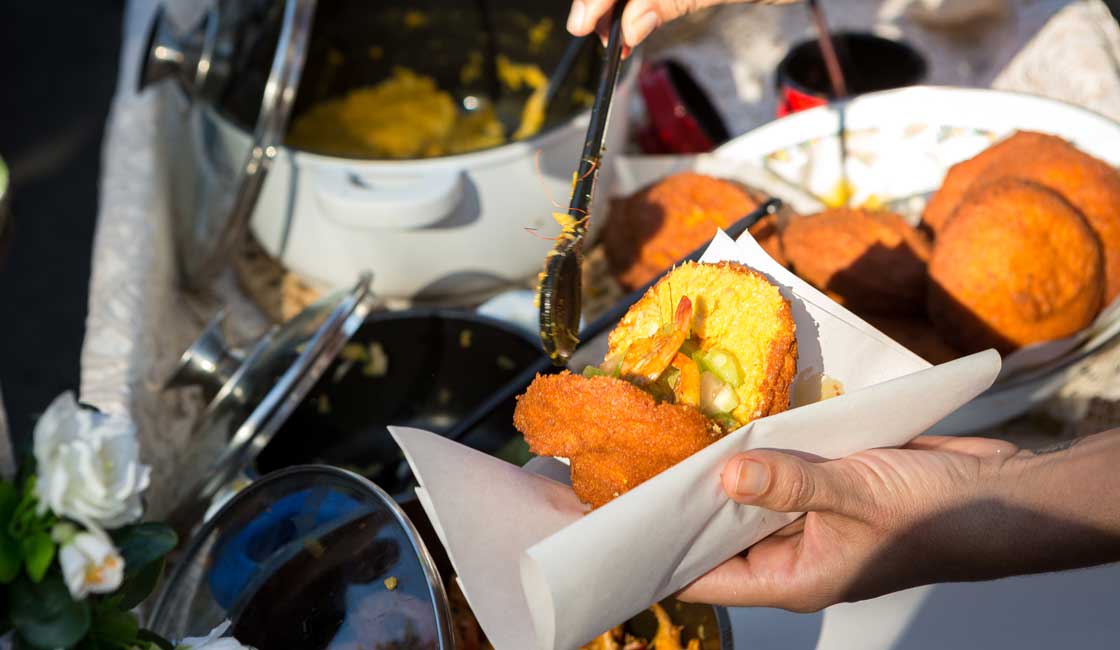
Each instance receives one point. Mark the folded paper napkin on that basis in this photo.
(540, 571)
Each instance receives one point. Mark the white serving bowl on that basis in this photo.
(900, 144)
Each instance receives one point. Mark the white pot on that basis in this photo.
(436, 228)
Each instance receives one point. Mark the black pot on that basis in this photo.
(869, 63)
(441, 364)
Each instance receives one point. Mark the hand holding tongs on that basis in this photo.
(560, 287)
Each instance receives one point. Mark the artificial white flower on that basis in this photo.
(212, 641)
(89, 466)
(90, 564)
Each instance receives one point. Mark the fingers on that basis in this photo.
(585, 14)
(730, 584)
(639, 19)
(751, 582)
(786, 483)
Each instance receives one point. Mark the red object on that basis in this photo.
(869, 63)
(792, 100)
(681, 118)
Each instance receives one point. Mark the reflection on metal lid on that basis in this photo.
(310, 557)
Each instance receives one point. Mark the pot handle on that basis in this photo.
(395, 202)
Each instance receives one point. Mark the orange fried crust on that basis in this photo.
(872, 262)
(615, 434)
(916, 335)
(1015, 265)
(653, 229)
(1090, 185)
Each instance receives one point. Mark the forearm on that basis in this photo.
(1055, 509)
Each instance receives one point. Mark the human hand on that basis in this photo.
(640, 17)
(877, 522)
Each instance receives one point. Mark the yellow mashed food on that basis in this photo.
(409, 116)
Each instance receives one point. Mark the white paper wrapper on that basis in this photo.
(540, 573)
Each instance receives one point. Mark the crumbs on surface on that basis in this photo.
(391, 583)
(315, 548)
(377, 364)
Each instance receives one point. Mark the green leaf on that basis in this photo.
(136, 589)
(38, 551)
(11, 556)
(154, 639)
(45, 615)
(142, 544)
(113, 627)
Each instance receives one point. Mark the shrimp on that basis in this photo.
(648, 358)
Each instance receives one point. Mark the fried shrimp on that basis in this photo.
(709, 348)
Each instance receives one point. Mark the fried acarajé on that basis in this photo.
(917, 335)
(1015, 265)
(710, 347)
(653, 229)
(872, 262)
(1090, 185)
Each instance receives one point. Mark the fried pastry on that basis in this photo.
(1015, 265)
(872, 262)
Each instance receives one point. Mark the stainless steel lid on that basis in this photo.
(309, 557)
(252, 394)
(217, 57)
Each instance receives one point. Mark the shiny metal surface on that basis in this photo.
(213, 214)
(209, 363)
(301, 559)
(262, 392)
(187, 57)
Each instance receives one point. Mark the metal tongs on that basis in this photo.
(560, 287)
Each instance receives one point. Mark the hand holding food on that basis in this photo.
(941, 509)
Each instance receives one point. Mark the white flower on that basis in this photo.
(89, 465)
(212, 641)
(90, 564)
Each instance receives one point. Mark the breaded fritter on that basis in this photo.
(735, 309)
(650, 231)
(917, 335)
(872, 262)
(1090, 185)
(615, 434)
(1016, 264)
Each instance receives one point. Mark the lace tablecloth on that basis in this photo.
(139, 322)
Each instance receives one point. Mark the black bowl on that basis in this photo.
(869, 63)
(441, 365)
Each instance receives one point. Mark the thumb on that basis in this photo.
(786, 483)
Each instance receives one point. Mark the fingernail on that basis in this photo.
(575, 17)
(751, 478)
(641, 27)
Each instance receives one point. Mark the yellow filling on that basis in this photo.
(409, 116)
